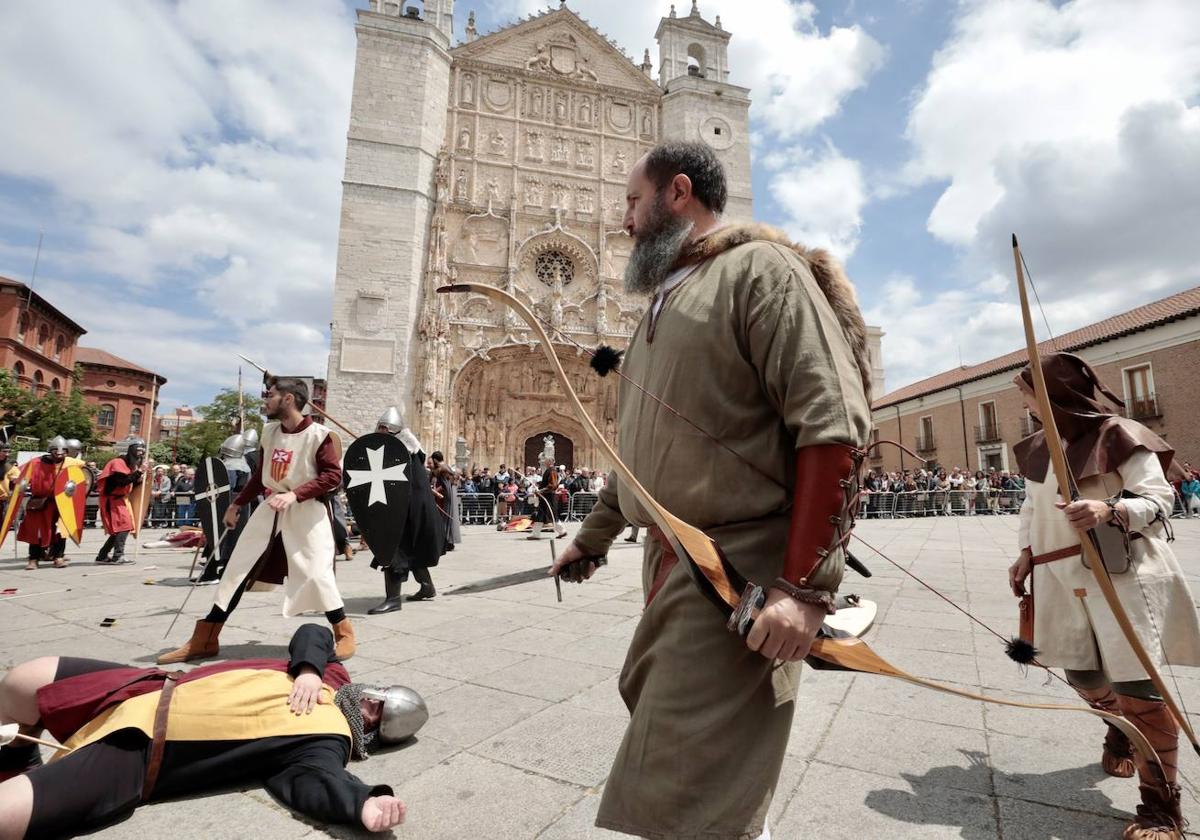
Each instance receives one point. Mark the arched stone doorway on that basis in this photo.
(564, 449)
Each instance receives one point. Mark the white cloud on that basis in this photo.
(822, 194)
(194, 151)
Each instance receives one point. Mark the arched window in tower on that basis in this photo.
(696, 60)
(22, 327)
(59, 344)
(554, 267)
(39, 379)
(19, 369)
(106, 417)
(43, 335)
(56, 385)
(135, 422)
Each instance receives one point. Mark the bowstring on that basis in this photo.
(1074, 490)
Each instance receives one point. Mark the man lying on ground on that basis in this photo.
(143, 734)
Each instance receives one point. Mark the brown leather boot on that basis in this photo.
(1117, 758)
(1160, 816)
(344, 644)
(202, 645)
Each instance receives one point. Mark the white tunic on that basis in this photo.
(1073, 625)
(289, 461)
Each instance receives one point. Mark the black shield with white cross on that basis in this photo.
(212, 496)
(375, 474)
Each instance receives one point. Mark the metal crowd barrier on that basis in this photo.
(888, 505)
(476, 508)
(581, 505)
(1181, 509)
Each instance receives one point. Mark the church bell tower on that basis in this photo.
(699, 103)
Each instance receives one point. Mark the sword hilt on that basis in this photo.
(575, 571)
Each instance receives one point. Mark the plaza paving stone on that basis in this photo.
(525, 714)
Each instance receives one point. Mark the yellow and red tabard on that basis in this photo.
(234, 705)
(289, 461)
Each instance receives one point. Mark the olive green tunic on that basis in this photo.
(749, 348)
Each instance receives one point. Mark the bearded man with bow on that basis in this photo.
(760, 342)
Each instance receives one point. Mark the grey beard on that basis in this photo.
(349, 701)
(655, 252)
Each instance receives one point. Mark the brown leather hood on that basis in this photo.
(830, 276)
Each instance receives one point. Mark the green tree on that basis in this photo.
(42, 417)
(219, 421)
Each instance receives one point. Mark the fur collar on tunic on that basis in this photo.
(830, 276)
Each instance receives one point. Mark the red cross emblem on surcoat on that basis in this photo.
(281, 462)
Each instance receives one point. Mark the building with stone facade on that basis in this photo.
(503, 160)
(971, 416)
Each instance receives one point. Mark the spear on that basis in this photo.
(320, 410)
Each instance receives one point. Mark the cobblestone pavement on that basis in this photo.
(526, 716)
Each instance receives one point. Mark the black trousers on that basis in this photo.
(116, 544)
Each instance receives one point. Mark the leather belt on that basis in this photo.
(1057, 554)
(159, 743)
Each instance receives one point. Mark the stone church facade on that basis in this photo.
(503, 160)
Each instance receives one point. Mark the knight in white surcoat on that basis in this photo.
(289, 539)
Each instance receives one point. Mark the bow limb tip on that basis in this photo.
(452, 288)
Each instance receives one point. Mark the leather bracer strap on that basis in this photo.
(824, 507)
(159, 743)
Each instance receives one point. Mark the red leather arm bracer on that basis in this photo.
(826, 500)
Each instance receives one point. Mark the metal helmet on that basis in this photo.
(404, 712)
(233, 447)
(250, 436)
(58, 443)
(132, 455)
(392, 420)
(74, 447)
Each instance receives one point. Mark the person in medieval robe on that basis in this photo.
(10, 473)
(441, 483)
(117, 480)
(140, 734)
(39, 528)
(423, 541)
(546, 494)
(759, 342)
(289, 538)
(1121, 470)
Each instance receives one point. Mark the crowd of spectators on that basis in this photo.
(512, 490)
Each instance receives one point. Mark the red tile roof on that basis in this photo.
(95, 356)
(1185, 304)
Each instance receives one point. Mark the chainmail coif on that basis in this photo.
(349, 700)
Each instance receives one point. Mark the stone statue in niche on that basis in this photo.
(602, 304)
(464, 139)
(585, 111)
(560, 107)
(498, 142)
(534, 145)
(535, 104)
(560, 154)
(534, 192)
(584, 154)
(492, 191)
(556, 299)
(647, 125)
(558, 195)
(583, 200)
(620, 163)
(460, 185)
(606, 265)
(468, 90)
(540, 59)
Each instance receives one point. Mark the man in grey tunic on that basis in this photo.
(759, 342)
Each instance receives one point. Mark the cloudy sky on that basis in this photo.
(184, 160)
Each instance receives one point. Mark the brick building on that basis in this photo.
(37, 341)
(971, 416)
(170, 426)
(123, 391)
